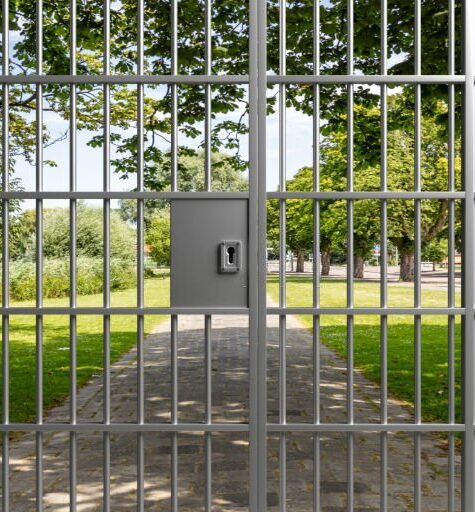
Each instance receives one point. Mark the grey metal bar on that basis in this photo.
(348, 194)
(208, 414)
(282, 258)
(257, 251)
(233, 79)
(72, 263)
(451, 262)
(468, 491)
(349, 258)
(231, 195)
(39, 257)
(365, 79)
(126, 427)
(123, 311)
(208, 504)
(365, 311)
(125, 79)
(174, 318)
(417, 262)
(227, 311)
(366, 427)
(316, 257)
(384, 262)
(5, 260)
(106, 327)
(208, 105)
(122, 195)
(140, 259)
(232, 427)
(174, 412)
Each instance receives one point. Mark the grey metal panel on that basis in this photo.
(197, 229)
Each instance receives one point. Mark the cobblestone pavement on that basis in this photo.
(230, 450)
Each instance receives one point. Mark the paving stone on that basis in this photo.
(230, 450)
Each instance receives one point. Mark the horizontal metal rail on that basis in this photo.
(231, 427)
(334, 195)
(45, 310)
(231, 79)
(366, 195)
(123, 311)
(365, 427)
(20, 194)
(365, 311)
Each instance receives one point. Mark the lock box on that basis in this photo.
(209, 244)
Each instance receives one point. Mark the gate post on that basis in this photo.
(469, 255)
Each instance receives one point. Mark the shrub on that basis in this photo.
(89, 239)
(56, 277)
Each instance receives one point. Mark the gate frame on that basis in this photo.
(258, 427)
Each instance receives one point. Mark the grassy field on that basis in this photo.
(56, 347)
(299, 293)
(400, 339)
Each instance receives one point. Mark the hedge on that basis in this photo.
(56, 277)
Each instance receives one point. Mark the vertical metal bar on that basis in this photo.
(174, 318)
(5, 263)
(257, 252)
(417, 260)
(174, 412)
(282, 258)
(316, 256)
(208, 111)
(208, 320)
(107, 253)
(72, 263)
(451, 261)
(384, 261)
(208, 414)
(469, 256)
(174, 96)
(349, 258)
(39, 257)
(140, 258)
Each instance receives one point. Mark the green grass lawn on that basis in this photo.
(299, 292)
(56, 346)
(400, 340)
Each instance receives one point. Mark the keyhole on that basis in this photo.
(231, 251)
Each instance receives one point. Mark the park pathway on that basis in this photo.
(230, 450)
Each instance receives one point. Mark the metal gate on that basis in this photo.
(259, 429)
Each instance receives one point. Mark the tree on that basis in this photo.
(230, 52)
(436, 251)
(89, 241)
(157, 238)
(225, 178)
(300, 222)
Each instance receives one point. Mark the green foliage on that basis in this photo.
(366, 177)
(435, 251)
(56, 277)
(191, 177)
(230, 51)
(157, 238)
(56, 234)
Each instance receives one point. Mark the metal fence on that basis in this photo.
(258, 80)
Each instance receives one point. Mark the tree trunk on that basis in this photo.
(325, 263)
(300, 261)
(406, 269)
(358, 262)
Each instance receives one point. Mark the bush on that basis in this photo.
(89, 239)
(56, 277)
